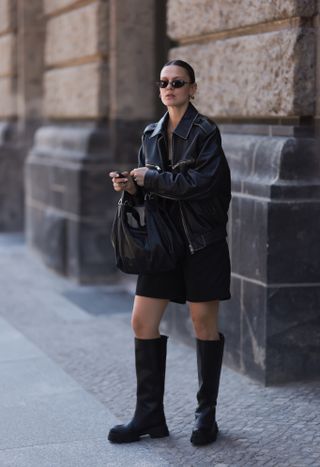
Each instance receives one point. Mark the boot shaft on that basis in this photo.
(209, 362)
(150, 356)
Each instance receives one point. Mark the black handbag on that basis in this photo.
(144, 236)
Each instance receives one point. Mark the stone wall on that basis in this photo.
(95, 102)
(265, 41)
(10, 168)
(8, 72)
(76, 60)
(257, 78)
(66, 193)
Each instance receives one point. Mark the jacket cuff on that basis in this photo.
(150, 179)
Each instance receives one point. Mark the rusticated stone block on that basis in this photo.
(255, 76)
(76, 92)
(249, 221)
(8, 106)
(293, 253)
(293, 335)
(7, 15)
(68, 196)
(192, 18)
(77, 34)
(7, 54)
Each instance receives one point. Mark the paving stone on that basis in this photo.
(272, 426)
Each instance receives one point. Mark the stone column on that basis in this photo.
(256, 69)
(98, 94)
(67, 194)
(10, 178)
(134, 63)
(30, 58)
(21, 51)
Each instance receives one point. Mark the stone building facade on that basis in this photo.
(76, 89)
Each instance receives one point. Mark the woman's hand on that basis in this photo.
(125, 183)
(139, 174)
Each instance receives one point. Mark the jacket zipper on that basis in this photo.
(182, 215)
(180, 207)
(157, 167)
(185, 229)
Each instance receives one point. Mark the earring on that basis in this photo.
(191, 97)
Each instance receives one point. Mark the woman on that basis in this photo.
(181, 160)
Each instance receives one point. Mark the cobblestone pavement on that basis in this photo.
(86, 330)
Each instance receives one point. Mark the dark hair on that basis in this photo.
(184, 65)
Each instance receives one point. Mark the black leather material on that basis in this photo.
(145, 238)
(149, 415)
(209, 361)
(199, 179)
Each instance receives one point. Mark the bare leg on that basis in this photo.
(146, 316)
(205, 319)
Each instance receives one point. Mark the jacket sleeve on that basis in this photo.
(140, 193)
(197, 181)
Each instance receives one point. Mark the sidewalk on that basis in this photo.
(67, 375)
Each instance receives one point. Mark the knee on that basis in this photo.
(142, 329)
(204, 329)
(200, 328)
(137, 324)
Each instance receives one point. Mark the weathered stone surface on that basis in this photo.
(51, 6)
(249, 220)
(132, 63)
(293, 328)
(8, 107)
(253, 311)
(76, 92)
(293, 253)
(30, 62)
(79, 33)
(54, 240)
(196, 17)
(11, 183)
(273, 167)
(71, 143)
(7, 15)
(7, 54)
(260, 76)
(65, 178)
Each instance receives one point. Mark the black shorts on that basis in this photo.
(200, 277)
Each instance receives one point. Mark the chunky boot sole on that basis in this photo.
(203, 437)
(131, 436)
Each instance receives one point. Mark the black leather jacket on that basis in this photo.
(199, 179)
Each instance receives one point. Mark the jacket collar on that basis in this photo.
(184, 126)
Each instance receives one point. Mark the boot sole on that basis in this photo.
(201, 438)
(156, 432)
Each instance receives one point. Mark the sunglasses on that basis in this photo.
(175, 83)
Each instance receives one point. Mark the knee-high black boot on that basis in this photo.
(149, 418)
(209, 360)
